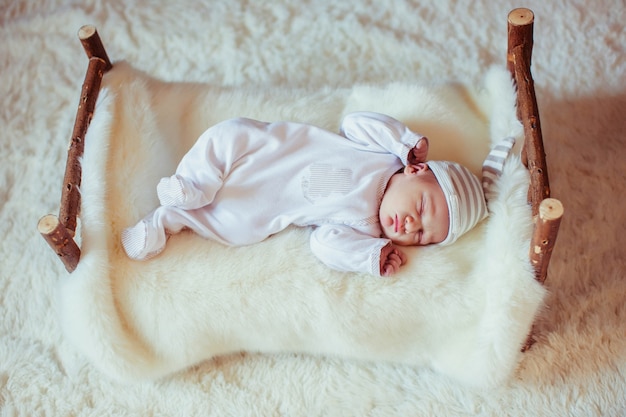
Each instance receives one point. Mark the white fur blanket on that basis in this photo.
(464, 310)
(322, 48)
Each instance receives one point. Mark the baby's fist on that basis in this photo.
(419, 152)
(391, 259)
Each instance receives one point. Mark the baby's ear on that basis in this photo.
(416, 168)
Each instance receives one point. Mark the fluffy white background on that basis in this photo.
(578, 366)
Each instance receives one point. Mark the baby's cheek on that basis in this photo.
(386, 221)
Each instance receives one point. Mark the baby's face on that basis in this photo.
(414, 210)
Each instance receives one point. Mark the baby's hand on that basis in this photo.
(391, 259)
(419, 152)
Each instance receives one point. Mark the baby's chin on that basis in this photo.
(407, 244)
(401, 243)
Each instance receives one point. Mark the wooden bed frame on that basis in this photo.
(59, 231)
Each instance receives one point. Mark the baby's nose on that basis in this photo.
(410, 225)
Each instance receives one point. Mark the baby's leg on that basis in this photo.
(202, 170)
(177, 191)
(147, 238)
(200, 173)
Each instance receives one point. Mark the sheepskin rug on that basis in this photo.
(267, 330)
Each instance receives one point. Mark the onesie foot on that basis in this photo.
(143, 241)
(170, 192)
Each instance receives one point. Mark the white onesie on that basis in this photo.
(244, 180)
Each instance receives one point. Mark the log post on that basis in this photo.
(519, 56)
(92, 45)
(520, 33)
(60, 240)
(547, 225)
(70, 197)
(545, 231)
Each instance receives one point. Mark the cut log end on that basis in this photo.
(92, 45)
(60, 240)
(550, 209)
(544, 236)
(86, 32)
(521, 17)
(47, 224)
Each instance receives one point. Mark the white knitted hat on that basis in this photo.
(464, 195)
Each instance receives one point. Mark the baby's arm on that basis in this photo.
(381, 133)
(343, 248)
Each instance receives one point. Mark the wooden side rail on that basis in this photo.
(548, 218)
(59, 231)
(547, 212)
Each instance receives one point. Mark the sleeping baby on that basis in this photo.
(366, 192)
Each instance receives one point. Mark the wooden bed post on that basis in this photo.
(59, 231)
(519, 57)
(547, 212)
(547, 225)
(92, 45)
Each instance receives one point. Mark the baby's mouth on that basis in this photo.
(396, 224)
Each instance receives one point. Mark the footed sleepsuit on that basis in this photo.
(244, 180)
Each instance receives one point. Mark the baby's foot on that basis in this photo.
(170, 191)
(143, 241)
